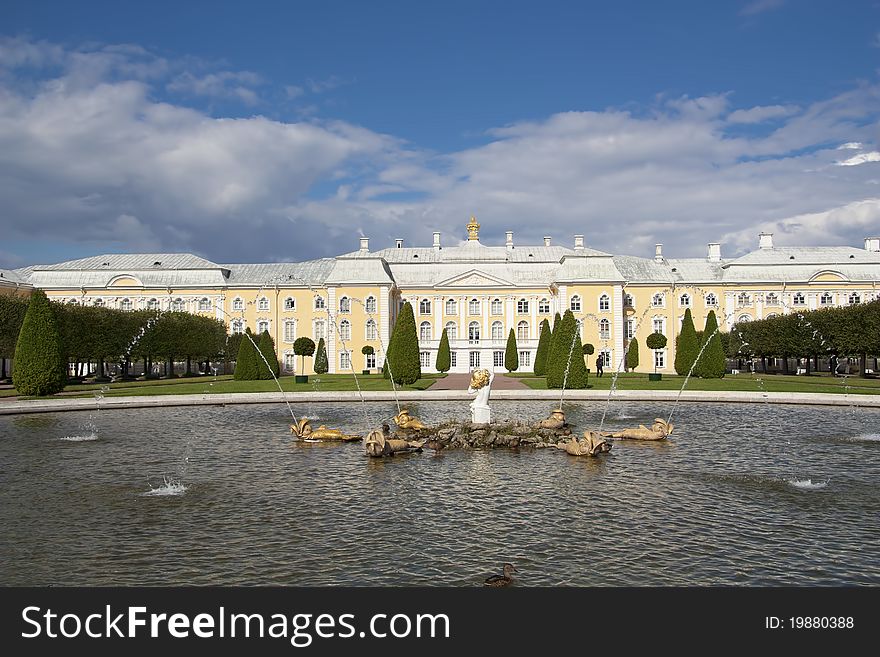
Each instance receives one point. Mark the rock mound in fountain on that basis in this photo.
(512, 433)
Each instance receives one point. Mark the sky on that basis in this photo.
(283, 131)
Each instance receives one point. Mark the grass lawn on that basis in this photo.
(225, 384)
(747, 382)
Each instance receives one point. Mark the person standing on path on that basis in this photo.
(599, 363)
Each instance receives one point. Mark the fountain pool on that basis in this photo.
(741, 494)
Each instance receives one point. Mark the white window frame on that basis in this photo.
(826, 299)
(238, 303)
(472, 304)
(345, 361)
(474, 332)
(544, 307)
(263, 304)
(290, 330)
(711, 300)
(604, 303)
(263, 322)
(320, 302)
(425, 332)
(684, 300)
(522, 330)
(453, 334)
(371, 330)
(177, 305)
(522, 307)
(604, 329)
(319, 334)
(659, 358)
(496, 307)
(345, 330)
(425, 307)
(451, 307)
(525, 359)
(289, 305)
(497, 330)
(575, 304)
(658, 300)
(498, 358)
(370, 304)
(856, 296)
(799, 299)
(344, 305)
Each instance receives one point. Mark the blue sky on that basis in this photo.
(167, 126)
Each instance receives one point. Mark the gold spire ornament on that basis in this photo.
(473, 229)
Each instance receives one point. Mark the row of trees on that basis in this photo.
(708, 346)
(30, 330)
(851, 331)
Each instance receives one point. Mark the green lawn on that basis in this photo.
(225, 384)
(747, 382)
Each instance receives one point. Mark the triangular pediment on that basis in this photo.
(473, 279)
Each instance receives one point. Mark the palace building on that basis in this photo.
(476, 291)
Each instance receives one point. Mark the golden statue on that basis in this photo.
(406, 421)
(660, 430)
(303, 430)
(382, 443)
(591, 444)
(473, 229)
(555, 421)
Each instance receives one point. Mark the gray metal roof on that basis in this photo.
(174, 278)
(134, 261)
(807, 255)
(588, 268)
(290, 274)
(359, 271)
(10, 277)
(474, 251)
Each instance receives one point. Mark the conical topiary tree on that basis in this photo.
(321, 364)
(444, 356)
(403, 348)
(632, 354)
(540, 367)
(713, 361)
(557, 320)
(40, 367)
(511, 355)
(687, 345)
(267, 360)
(567, 354)
(246, 368)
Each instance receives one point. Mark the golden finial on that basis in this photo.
(473, 229)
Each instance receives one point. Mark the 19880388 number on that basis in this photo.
(821, 622)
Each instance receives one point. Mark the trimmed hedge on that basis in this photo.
(632, 354)
(444, 355)
(687, 345)
(713, 362)
(567, 353)
(511, 355)
(39, 358)
(540, 367)
(246, 368)
(321, 364)
(403, 348)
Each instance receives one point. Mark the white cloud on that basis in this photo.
(861, 158)
(760, 6)
(225, 84)
(91, 157)
(762, 113)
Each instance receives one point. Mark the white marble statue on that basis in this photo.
(481, 383)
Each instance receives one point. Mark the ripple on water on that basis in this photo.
(88, 437)
(169, 486)
(807, 484)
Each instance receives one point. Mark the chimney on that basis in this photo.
(658, 253)
(765, 240)
(872, 244)
(509, 241)
(399, 243)
(436, 241)
(578, 242)
(546, 240)
(365, 244)
(714, 252)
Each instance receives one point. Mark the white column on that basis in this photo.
(812, 301)
(730, 307)
(510, 314)
(437, 333)
(533, 313)
(563, 302)
(617, 302)
(384, 320)
(332, 356)
(759, 306)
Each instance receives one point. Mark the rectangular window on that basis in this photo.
(289, 362)
(344, 360)
(475, 359)
(498, 358)
(289, 331)
(629, 330)
(658, 326)
(320, 332)
(453, 359)
(525, 359)
(660, 358)
(425, 358)
(543, 306)
(370, 361)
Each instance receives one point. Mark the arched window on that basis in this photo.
(451, 307)
(262, 326)
(497, 331)
(799, 299)
(604, 303)
(425, 331)
(474, 307)
(370, 304)
(497, 308)
(345, 330)
(575, 304)
(522, 306)
(474, 331)
(371, 333)
(263, 304)
(772, 315)
(711, 299)
(604, 329)
(826, 299)
(684, 301)
(99, 302)
(319, 303)
(743, 299)
(237, 304)
(425, 307)
(522, 330)
(345, 305)
(451, 330)
(771, 299)
(854, 299)
(658, 300)
(153, 304)
(744, 318)
(544, 306)
(204, 304)
(628, 301)
(319, 329)
(177, 305)
(237, 326)
(289, 330)
(290, 303)
(126, 304)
